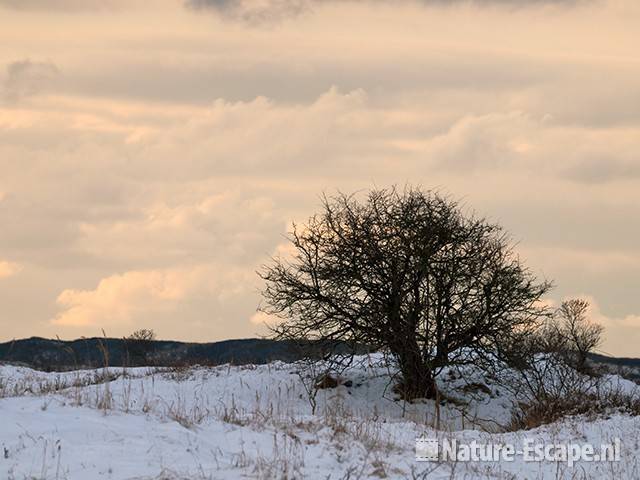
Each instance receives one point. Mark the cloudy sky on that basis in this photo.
(152, 154)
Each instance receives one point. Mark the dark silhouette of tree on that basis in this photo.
(140, 346)
(407, 272)
(581, 335)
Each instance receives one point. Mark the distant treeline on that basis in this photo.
(45, 354)
(60, 355)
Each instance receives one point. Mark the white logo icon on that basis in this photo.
(426, 449)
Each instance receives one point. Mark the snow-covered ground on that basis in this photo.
(257, 422)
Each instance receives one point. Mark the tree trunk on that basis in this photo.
(417, 378)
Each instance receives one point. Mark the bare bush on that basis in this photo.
(553, 378)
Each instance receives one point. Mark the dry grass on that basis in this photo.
(590, 404)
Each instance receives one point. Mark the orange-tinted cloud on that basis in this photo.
(8, 269)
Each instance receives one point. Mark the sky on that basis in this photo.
(154, 154)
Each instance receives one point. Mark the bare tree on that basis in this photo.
(581, 335)
(140, 346)
(143, 335)
(407, 272)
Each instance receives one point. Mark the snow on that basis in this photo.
(256, 422)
